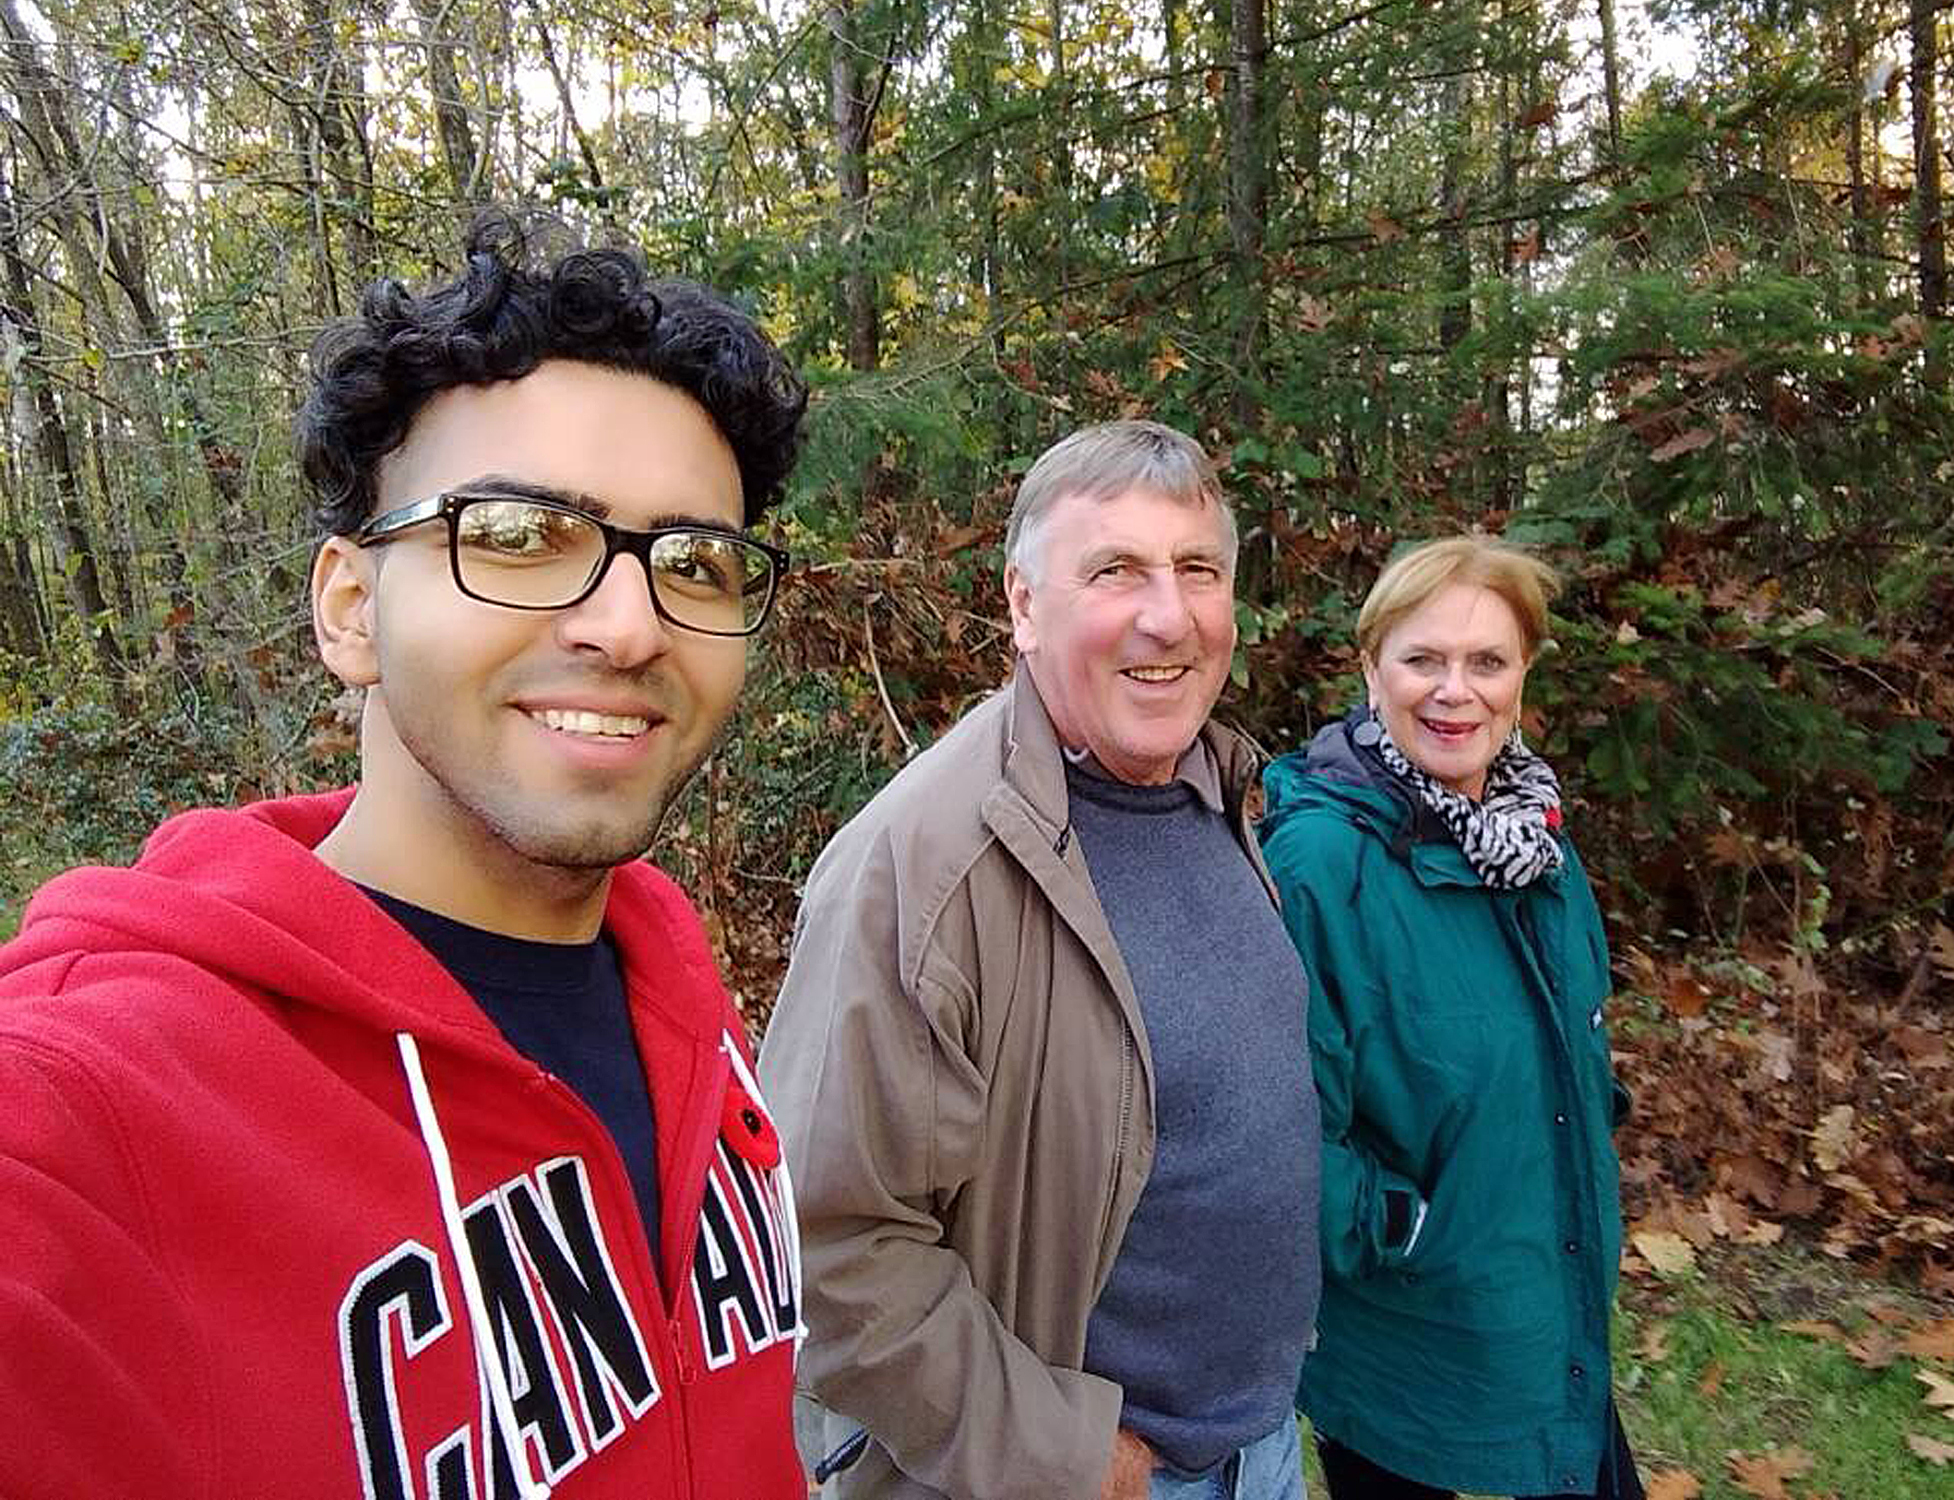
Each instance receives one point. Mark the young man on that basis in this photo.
(1041, 1059)
(398, 1142)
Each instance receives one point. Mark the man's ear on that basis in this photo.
(342, 612)
(1017, 596)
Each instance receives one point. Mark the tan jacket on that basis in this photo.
(958, 1069)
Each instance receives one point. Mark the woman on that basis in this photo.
(1457, 971)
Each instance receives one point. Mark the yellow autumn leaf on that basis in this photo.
(1667, 1251)
(1834, 1141)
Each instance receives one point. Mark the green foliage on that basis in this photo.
(1686, 366)
(87, 784)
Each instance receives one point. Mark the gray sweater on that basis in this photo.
(1212, 1299)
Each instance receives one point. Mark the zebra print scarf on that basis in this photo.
(1508, 836)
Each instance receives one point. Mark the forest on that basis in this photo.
(1659, 290)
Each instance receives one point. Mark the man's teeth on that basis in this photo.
(1155, 674)
(582, 721)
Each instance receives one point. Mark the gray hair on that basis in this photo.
(1103, 462)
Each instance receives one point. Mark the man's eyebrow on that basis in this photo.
(1097, 557)
(528, 489)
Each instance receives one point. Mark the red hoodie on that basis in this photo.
(227, 1270)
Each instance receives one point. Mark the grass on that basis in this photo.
(1705, 1368)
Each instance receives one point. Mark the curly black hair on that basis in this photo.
(502, 317)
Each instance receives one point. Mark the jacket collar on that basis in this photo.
(1034, 761)
(1335, 767)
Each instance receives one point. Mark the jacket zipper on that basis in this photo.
(1119, 1144)
(665, 1300)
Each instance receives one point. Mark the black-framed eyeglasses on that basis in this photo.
(525, 553)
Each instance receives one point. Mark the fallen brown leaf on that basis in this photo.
(1941, 947)
(1923, 1048)
(1712, 1379)
(1830, 1333)
(1654, 1346)
(1754, 1177)
(1764, 1474)
(1937, 1453)
(1674, 1484)
(1875, 1350)
(1935, 1341)
(1683, 442)
(1940, 1390)
(1728, 1218)
(1686, 995)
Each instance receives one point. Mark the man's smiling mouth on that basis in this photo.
(583, 721)
(1155, 674)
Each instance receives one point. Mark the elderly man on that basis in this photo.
(1040, 1059)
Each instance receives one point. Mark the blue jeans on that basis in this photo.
(1270, 1468)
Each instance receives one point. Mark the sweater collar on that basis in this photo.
(1195, 770)
(1034, 761)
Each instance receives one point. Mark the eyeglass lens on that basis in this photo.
(539, 557)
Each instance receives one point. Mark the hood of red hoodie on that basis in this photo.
(240, 893)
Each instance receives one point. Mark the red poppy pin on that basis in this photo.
(1554, 819)
(747, 1129)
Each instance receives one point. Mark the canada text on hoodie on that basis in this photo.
(248, 1126)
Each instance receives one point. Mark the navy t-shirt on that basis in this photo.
(562, 1006)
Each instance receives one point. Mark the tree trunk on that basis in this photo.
(853, 118)
(1500, 372)
(23, 615)
(567, 103)
(342, 196)
(1248, 196)
(1059, 90)
(74, 549)
(1855, 162)
(465, 166)
(1929, 231)
(1173, 17)
(1611, 81)
(1455, 245)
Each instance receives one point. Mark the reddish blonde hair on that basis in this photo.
(1412, 577)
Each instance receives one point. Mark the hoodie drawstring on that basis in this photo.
(488, 1363)
(731, 1048)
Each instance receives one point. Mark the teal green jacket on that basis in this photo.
(1461, 1060)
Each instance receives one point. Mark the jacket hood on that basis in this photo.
(1333, 770)
(1336, 772)
(240, 894)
